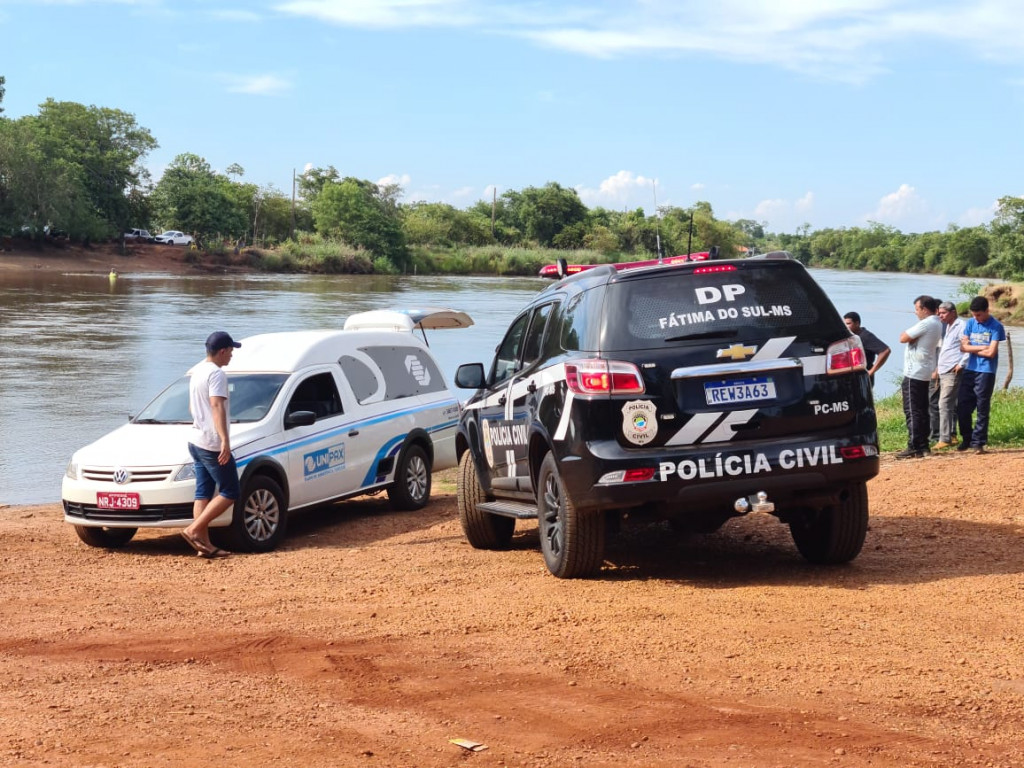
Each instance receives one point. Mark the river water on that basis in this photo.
(79, 353)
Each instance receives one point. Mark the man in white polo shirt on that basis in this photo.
(919, 360)
(210, 443)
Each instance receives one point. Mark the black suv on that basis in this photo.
(695, 392)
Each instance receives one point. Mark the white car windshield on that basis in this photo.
(252, 395)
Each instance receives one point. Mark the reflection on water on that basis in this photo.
(81, 352)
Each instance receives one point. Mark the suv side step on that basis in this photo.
(517, 509)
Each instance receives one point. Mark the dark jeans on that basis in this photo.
(933, 408)
(915, 408)
(975, 394)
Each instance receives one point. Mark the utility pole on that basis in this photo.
(292, 236)
(657, 227)
(494, 206)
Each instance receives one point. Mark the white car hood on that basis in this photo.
(148, 445)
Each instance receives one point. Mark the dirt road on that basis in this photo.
(372, 638)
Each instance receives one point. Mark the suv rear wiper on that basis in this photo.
(724, 333)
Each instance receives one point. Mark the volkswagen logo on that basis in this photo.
(122, 476)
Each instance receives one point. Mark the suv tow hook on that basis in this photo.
(742, 506)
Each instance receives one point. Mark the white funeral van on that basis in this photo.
(316, 416)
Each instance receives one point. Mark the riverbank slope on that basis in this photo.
(102, 257)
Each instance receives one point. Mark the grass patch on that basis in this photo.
(1005, 424)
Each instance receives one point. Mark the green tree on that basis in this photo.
(360, 213)
(73, 167)
(35, 189)
(966, 250)
(310, 182)
(102, 149)
(440, 224)
(3, 90)
(541, 213)
(1007, 239)
(191, 197)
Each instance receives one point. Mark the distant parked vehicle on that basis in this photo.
(138, 236)
(173, 237)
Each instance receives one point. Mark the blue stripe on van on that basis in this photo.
(299, 443)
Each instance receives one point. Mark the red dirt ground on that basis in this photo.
(371, 638)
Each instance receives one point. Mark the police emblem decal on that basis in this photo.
(639, 422)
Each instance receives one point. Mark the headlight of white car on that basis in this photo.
(71, 472)
(187, 472)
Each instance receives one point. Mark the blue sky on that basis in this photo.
(904, 112)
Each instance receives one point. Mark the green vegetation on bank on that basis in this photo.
(1006, 421)
(78, 172)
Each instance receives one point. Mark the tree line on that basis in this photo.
(79, 171)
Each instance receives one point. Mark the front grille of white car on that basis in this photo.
(127, 475)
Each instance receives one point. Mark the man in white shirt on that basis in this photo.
(946, 379)
(919, 360)
(210, 443)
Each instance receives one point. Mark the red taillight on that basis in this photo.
(603, 377)
(716, 268)
(845, 356)
(638, 475)
(858, 451)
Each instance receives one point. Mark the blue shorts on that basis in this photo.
(210, 474)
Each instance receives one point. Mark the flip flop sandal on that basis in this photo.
(201, 549)
(214, 553)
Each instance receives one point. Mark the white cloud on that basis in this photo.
(902, 207)
(625, 189)
(805, 204)
(256, 84)
(385, 13)
(771, 209)
(403, 180)
(974, 217)
(846, 40)
(235, 14)
(697, 187)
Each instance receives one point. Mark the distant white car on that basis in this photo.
(139, 235)
(316, 416)
(173, 237)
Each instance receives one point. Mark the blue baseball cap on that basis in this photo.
(219, 340)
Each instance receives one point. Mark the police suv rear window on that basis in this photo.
(683, 306)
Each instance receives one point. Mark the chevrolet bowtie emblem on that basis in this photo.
(736, 352)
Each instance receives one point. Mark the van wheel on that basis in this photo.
(836, 533)
(572, 540)
(483, 530)
(259, 520)
(105, 538)
(411, 488)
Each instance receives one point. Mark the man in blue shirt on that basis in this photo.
(981, 337)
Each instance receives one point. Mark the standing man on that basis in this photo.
(946, 379)
(919, 360)
(876, 352)
(980, 338)
(210, 443)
